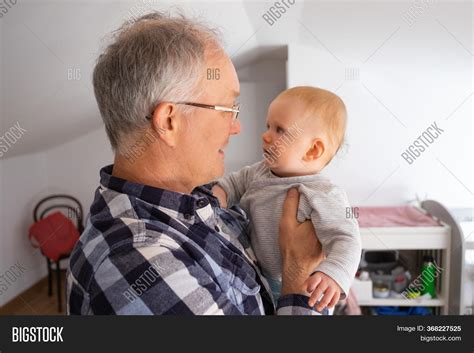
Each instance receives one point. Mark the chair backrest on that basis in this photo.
(58, 201)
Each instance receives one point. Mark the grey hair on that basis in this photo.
(156, 58)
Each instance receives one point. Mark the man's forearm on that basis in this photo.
(293, 278)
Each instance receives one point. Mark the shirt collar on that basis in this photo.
(182, 203)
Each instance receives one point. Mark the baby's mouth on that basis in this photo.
(268, 155)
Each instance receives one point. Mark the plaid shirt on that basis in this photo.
(152, 251)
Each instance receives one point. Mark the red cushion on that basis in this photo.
(55, 234)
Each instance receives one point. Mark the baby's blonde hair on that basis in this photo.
(325, 106)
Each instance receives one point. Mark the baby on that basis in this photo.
(305, 128)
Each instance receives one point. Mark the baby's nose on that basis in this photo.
(266, 137)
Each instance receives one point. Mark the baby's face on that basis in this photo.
(288, 139)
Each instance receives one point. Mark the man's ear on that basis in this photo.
(316, 150)
(165, 123)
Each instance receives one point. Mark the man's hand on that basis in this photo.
(220, 194)
(300, 249)
(321, 284)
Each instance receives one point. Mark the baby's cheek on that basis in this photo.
(292, 162)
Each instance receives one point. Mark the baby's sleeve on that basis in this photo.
(235, 184)
(337, 230)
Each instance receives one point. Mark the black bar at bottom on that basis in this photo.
(246, 334)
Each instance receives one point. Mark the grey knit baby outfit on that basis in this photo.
(261, 194)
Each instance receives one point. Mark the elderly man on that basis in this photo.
(156, 241)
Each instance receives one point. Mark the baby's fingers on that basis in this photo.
(312, 282)
(328, 296)
(334, 300)
(317, 294)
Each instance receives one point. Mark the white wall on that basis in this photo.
(418, 76)
(73, 168)
(24, 182)
(2, 251)
(260, 82)
(3, 267)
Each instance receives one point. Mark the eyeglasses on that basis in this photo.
(235, 110)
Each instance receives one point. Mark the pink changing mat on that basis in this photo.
(394, 216)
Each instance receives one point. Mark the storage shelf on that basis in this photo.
(402, 302)
(437, 238)
(405, 238)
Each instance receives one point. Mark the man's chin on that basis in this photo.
(216, 172)
(220, 171)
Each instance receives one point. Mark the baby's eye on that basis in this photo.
(279, 130)
(268, 127)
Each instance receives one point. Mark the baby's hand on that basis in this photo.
(318, 284)
(220, 194)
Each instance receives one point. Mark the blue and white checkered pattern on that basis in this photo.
(151, 251)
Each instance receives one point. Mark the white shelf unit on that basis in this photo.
(412, 238)
(403, 302)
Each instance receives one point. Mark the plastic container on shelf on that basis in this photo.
(362, 289)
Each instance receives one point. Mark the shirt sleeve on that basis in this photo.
(297, 304)
(337, 230)
(235, 184)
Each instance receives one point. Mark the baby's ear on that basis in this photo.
(316, 150)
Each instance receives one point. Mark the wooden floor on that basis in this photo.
(35, 300)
